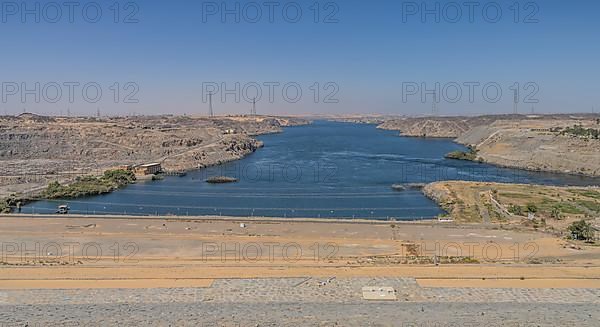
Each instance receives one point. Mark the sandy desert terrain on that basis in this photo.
(77, 252)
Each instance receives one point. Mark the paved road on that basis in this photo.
(301, 302)
(304, 314)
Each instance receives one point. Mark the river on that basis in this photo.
(323, 170)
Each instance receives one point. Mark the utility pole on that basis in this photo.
(210, 107)
(253, 111)
(434, 109)
(98, 112)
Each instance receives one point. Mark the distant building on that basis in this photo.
(147, 169)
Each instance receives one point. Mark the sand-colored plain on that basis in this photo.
(100, 252)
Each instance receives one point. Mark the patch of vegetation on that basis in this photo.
(582, 231)
(516, 210)
(591, 205)
(515, 195)
(579, 130)
(7, 204)
(494, 214)
(89, 185)
(456, 260)
(555, 213)
(4, 206)
(567, 207)
(532, 208)
(589, 194)
(470, 155)
(469, 260)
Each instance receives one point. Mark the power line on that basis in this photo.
(434, 109)
(210, 106)
(280, 213)
(256, 190)
(274, 196)
(142, 205)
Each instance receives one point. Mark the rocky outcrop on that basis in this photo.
(443, 127)
(221, 180)
(536, 145)
(457, 126)
(532, 142)
(35, 150)
(429, 127)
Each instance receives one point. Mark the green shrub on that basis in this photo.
(567, 207)
(593, 206)
(555, 213)
(471, 155)
(532, 208)
(4, 207)
(10, 202)
(578, 130)
(515, 210)
(581, 230)
(89, 185)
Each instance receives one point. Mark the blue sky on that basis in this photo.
(362, 60)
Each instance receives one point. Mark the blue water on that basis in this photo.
(323, 170)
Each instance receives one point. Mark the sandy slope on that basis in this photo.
(176, 252)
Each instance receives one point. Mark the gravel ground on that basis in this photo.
(304, 314)
(300, 302)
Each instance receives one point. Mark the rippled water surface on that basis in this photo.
(324, 170)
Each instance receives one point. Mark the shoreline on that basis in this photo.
(527, 169)
(257, 143)
(260, 144)
(429, 222)
(236, 219)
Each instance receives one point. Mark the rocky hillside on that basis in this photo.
(455, 126)
(449, 127)
(539, 144)
(35, 150)
(562, 143)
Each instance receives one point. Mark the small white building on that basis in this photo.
(148, 169)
